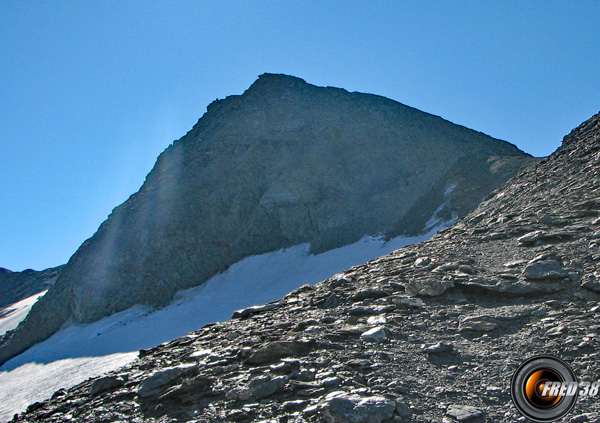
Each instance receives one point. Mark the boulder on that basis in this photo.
(276, 350)
(545, 269)
(427, 287)
(347, 408)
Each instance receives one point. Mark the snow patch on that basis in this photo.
(11, 316)
(436, 221)
(36, 382)
(449, 190)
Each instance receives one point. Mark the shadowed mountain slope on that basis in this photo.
(282, 164)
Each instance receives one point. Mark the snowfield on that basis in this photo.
(11, 316)
(33, 382)
(78, 352)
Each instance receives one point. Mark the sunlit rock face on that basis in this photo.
(282, 164)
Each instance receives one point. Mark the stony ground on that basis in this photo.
(430, 333)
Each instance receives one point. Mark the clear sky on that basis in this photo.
(92, 91)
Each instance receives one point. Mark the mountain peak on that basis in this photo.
(274, 84)
(277, 80)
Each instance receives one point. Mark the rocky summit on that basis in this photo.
(430, 333)
(283, 164)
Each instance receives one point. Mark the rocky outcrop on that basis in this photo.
(358, 347)
(284, 163)
(16, 286)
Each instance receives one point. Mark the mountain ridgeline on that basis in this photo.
(282, 164)
(15, 286)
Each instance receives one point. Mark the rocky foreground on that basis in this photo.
(430, 333)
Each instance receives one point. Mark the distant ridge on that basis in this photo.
(15, 286)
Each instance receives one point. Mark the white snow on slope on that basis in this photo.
(14, 314)
(35, 382)
(436, 220)
(78, 352)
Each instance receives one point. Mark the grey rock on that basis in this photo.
(406, 302)
(516, 263)
(556, 331)
(479, 324)
(376, 334)
(545, 269)
(276, 350)
(438, 348)
(427, 288)
(464, 413)
(514, 287)
(377, 320)
(346, 408)
(369, 293)
(264, 387)
(106, 383)
(422, 262)
(592, 282)
(532, 237)
(403, 410)
(580, 418)
(311, 410)
(331, 381)
(370, 310)
(160, 379)
(240, 314)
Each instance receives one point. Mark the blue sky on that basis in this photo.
(92, 91)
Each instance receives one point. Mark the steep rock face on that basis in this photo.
(283, 164)
(432, 332)
(15, 286)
